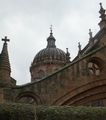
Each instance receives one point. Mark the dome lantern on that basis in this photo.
(51, 40)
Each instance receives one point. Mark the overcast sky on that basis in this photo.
(27, 23)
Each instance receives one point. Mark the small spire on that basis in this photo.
(90, 34)
(102, 12)
(67, 52)
(79, 46)
(51, 27)
(5, 65)
(79, 51)
(91, 41)
(4, 58)
(67, 56)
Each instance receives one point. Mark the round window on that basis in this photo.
(94, 68)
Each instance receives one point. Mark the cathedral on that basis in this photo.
(55, 80)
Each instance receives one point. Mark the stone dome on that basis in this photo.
(50, 54)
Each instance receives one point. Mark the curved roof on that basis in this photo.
(50, 54)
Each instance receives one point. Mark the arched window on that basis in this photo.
(41, 74)
(27, 99)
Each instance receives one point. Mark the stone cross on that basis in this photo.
(5, 39)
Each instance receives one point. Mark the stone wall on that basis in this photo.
(71, 80)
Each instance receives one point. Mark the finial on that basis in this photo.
(102, 12)
(67, 55)
(51, 29)
(100, 4)
(67, 52)
(66, 49)
(90, 33)
(79, 46)
(5, 39)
